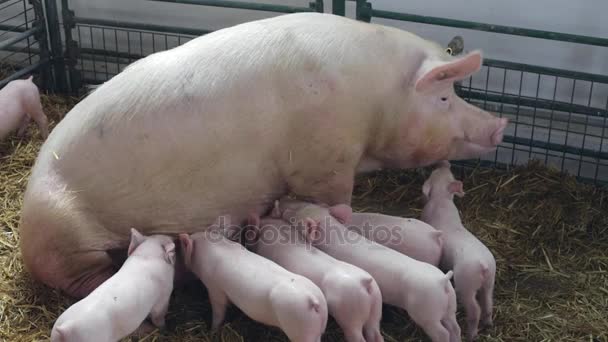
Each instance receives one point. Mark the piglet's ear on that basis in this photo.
(426, 189)
(169, 247)
(170, 252)
(221, 223)
(455, 188)
(444, 163)
(435, 74)
(252, 230)
(253, 220)
(186, 245)
(136, 239)
(312, 229)
(276, 211)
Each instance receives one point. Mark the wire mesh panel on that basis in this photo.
(105, 51)
(21, 28)
(556, 115)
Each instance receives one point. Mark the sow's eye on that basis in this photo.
(444, 99)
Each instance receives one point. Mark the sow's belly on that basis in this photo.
(171, 184)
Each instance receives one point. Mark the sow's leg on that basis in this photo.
(60, 244)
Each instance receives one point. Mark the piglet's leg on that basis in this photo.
(25, 120)
(34, 109)
(353, 336)
(371, 329)
(373, 335)
(219, 304)
(486, 302)
(158, 313)
(451, 324)
(144, 329)
(473, 313)
(437, 332)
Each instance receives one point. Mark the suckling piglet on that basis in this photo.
(472, 262)
(19, 103)
(420, 288)
(411, 237)
(353, 297)
(140, 289)
(263, 290)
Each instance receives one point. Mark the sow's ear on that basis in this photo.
(433, 75)
(136, 239)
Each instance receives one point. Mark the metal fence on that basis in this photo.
(557, 115)
(23, 45)
(97, 49)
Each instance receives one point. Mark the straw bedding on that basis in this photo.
(548, 233)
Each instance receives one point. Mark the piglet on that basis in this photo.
(19, 102)
(140, 289)
(353, 297)
(420, 288)
(473, 263)
(260, 288)
(411, 237)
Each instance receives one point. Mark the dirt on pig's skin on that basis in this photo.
(547, 233)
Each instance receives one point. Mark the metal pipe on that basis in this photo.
(539, 113)
(584, 76)
(532, 102)
(338, 7)
(516, 31)
(113, 54)
(241, 5)
(21, 36)
(585, 152)
(55, 46)
(11, 28)
(23, 72)
(141, 26)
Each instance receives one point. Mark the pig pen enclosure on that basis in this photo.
(539, 202)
